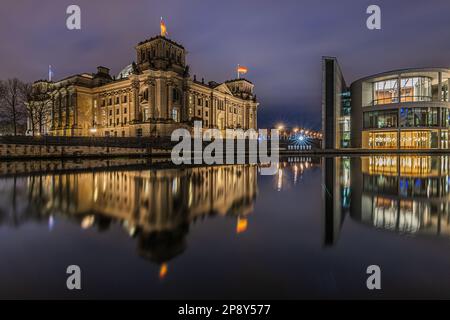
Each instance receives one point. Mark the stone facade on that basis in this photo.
(150, 97)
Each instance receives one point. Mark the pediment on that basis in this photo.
(223, 88)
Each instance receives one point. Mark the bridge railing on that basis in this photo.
(130, 142)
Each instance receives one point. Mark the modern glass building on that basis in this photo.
(401, 109)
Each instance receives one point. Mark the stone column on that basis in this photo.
(439, 95)
(184, 104)
(75, 109)
(170, 86)
(226, 113)
(59, 110)
(52, 114)
(153, 93)
(213, 111)
(67, 97)
(159, 98)
(194, 106)
(135, 87)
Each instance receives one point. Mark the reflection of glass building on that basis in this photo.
(407, 194)
(404, 194)
(402, 109)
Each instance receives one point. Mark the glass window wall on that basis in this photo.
(418, 139)
(415, 89)
(385, 92)
(380, 119)
(419, 117)
(382, 140)
(411, 89)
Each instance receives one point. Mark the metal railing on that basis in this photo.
(125, 142)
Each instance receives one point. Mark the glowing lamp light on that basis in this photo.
(301, 138)
(93, 130)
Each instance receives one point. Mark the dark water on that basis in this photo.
(140, 230)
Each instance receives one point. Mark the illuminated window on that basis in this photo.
(382, 140)
(385, 92)
(175, 115)
(415, 89)
(419, 117)
(380, 119)
(419, 139)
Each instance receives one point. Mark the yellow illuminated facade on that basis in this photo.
(381, 140)
(151, 97)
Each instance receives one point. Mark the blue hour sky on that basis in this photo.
(281, 42)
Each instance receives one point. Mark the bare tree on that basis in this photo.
(40, 116)
(12, 106)
(2, 90)
(26, 92)
(36, 109)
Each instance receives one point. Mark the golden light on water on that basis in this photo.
(280, 179)
(87, 222)
(163, 271)
(242, 225)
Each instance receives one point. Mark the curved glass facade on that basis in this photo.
(385, 92)
(415, 89)
(419, 117)
(397, 124)
(401, 89)
(380, 119)
(399, 109)
(407, 118)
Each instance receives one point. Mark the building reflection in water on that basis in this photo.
(154, 206)
(404, 194)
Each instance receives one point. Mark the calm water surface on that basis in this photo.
(146, 230)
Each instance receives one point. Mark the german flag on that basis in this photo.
(242, 69)
(163, 28)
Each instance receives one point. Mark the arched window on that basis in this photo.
(145, 95)
(175, 95)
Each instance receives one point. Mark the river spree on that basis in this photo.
(151, 230)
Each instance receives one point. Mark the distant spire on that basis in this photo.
(50, 73)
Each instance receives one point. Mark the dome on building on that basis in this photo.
(125, 72)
